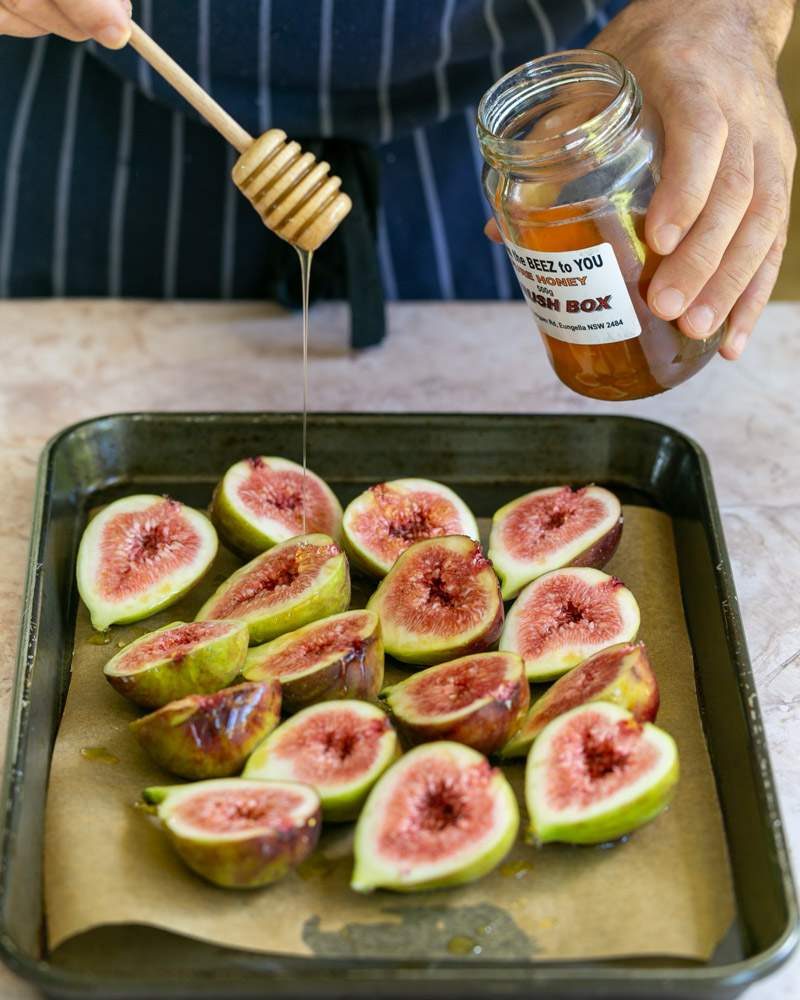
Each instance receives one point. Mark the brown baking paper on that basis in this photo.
(666, 891)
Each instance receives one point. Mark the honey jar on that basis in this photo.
(572, 156)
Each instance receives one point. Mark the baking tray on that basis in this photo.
(489, 460)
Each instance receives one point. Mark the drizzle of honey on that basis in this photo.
(516, 869)
(99, 754)
(462, 945)
(305, 279)
(318, 867)
(99, 639)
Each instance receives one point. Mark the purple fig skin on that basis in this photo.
(210, 736)
(486, 728)
(255, 858)
(358, 673)
(627, 680)
(597, 555)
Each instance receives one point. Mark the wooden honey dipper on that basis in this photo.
(289, 189)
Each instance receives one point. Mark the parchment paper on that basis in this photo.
(666, 891)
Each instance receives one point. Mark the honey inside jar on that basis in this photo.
(572, 160)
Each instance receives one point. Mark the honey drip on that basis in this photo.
(305, 279)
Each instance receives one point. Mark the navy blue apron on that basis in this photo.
(110, 185)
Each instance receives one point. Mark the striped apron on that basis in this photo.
(111, 186)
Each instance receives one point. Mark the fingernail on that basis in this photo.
(737, 341)
(701, 319)
(669, 302)
(113, 36)
(666, 238)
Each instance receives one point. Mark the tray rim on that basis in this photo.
(732, 976)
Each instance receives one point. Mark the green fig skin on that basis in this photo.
(240, 862)
(242, 533)
(357, 673)
(371, 872)
(210, 736)
(328, 594)
(209, 666)
(612, 821)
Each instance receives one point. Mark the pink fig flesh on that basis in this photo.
(553, 528)
(139, 555)
(382, 522)
(265, 500)
(621, 674)
(340, 748)
(566, 616)
(212, 735)
(440, 600)
(295, 582)
(240, 834)
(477, 700)
(337, 657)
(177, 660)
(595, 774)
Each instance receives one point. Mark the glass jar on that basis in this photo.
(572, 158)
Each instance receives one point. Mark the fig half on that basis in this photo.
(210, 735)
(595, 774)
(441, 816)
(139, 555)
(565, 617)
(178, 660)
(477, 700)
(292, 584)
(260, 502)
(550, 529)
(440, 600)
(337, 657)
(620, 674)
(239, 834)
(384, 520)
(340, 749)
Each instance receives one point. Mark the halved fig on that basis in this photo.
(441, 816)
(210, 735)
(292, 584)
(565, 617)
(139, 555)
(178, 660)
(340, 749)
(384, 520)
(337, 657)
(239, 834)
(477, 700)
(620, 674)
(550, 529)
(595, 774)
(260, 501)
(441, 599)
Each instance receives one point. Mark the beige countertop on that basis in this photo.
(63, 362)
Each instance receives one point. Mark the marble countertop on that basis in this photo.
(63, 362)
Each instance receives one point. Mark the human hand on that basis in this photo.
(720, 212)
(107, 21)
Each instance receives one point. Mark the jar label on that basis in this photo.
(578, 296)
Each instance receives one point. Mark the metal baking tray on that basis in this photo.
(488, 459)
